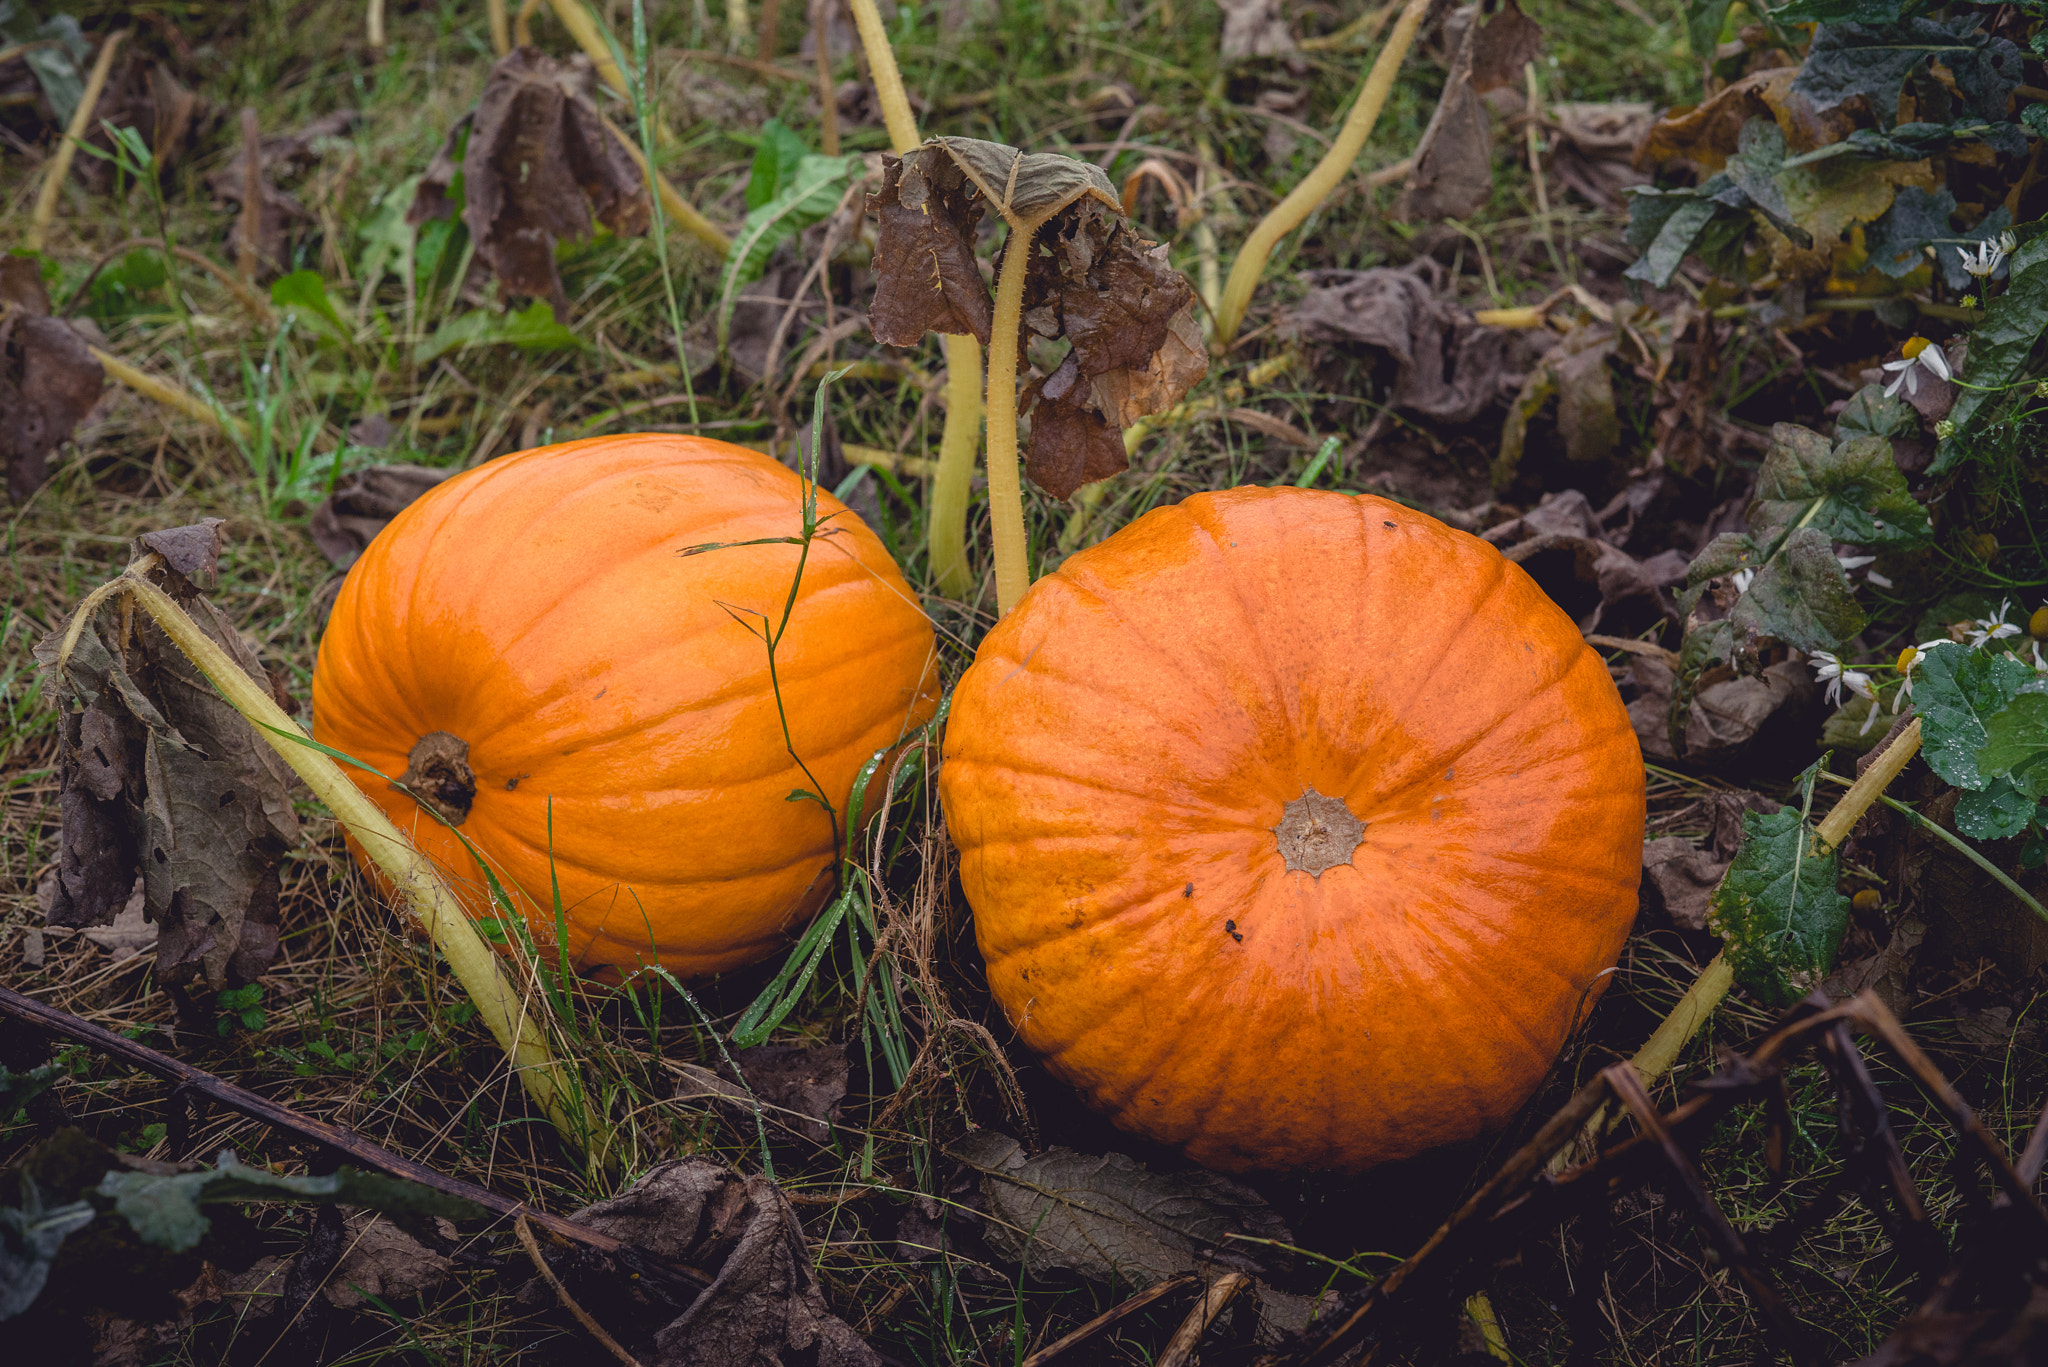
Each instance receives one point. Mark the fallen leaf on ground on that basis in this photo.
(129, 934)
(539, 163)
(1254, 28)
(363, 503)
(1679, 880)
(158, 773)
(1592, 149)
(1110, 1219)
(49, 380)
(1447, 366)
(276, 154)
(1453, 171)
(799, 1086)
(764, 1304)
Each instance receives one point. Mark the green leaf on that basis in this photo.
(1998, 813)
(1777, 909)
(1956, 691)
(2016, 745)
(29, 1239)
(2000, 346)
(1704, 20)
(532, 328)
(1917, 218)
(1870, 412)
(776, 160)
(813, 192)
(1754, 169)
(1801, 596)
(1841, 11)
(165, 1209)
(304, 294)
(1874, 59)
(1863, 497)
(18, 1089)
(1663, 225)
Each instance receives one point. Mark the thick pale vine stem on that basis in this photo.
(961, 437)
(1288, 214)
(167, 394)
(501, 27)
(1834, 828)
(958, 443)
(60, 160)
(473, 961)
(583, 28)
(1005, 480)
(686, 216)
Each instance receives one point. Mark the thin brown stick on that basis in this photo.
(249, 228)
(1109, 1318)
(248, 298)
(828, 99)
(771, 20)
(1180, 1349)
(597, 1331)
(676, 1280)
(1634, 647)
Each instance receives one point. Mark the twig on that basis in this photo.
(676, 1279)
(828, 101)
(74, 133)
(247, 297)
(1109, 1318)
(1634, 647)
(597, 1331)
(249, 227)
(376, 27)
(1180, 1349)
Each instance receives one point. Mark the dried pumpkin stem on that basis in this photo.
(1005, 480)
(961, 436)
(74, 132)
(476, 966)
(1328, 174)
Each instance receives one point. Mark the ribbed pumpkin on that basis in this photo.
(1299, 828)
(527, 643)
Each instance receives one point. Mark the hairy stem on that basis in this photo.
(959, 442)
(501, 1005)
(1288, 214)
(1005, 480)
(946, 532)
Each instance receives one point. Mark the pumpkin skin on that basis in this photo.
(1126, 743)
(538, 609)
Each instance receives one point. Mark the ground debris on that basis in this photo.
(363, 504)
(49, 379)
(1447, 367)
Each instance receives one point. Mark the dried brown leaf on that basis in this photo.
(1027, 188)
(363, 504)
(1163, 381)
(539, 162)
(1254, 28)
(1680, 878)
(926, 277)
(765, 1304)
(1448, 367)
(49, 380)
(157, 772)
(798, 1086)
(1071, 443)
(1504, 45)
(1453, 175)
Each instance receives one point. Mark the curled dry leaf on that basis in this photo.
(1679, 878)
(1108, 1218)
(539, 162)
(926, 277)
(276, 154)
(799, 1086)
(1453, 175)
(1447, 366)
(363, 504)
(49, 380)
(1254, 28)
(765, 1304)
(158, 775)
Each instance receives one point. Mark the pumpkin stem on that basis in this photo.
(437, 772)
(1317, 833)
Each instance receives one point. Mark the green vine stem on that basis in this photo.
(504, 1010)
(1005, 480)
(947, 530)
(1328, 174)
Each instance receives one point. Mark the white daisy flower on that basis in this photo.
(1830, 670)
(1989, 255)
(1743, 579)
(1994, 627)
(1918, 354)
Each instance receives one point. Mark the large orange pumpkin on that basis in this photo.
(527, 643)
(1299, 828)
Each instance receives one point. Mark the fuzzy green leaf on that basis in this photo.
(1663, 226)
(532, 328)
(1863, 497)
(1777, 908)
(1871, 412)
(1916, 219)
(812, 191)
(1873, 60)
(2016, 745)
(776, 159)
(1956, 692)
(304, 294)
(1801, 596)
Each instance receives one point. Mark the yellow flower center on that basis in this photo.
(1914, 346)
(1906, 658)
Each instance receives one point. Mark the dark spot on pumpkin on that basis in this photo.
(1230, 929)
(513, 782)
(1386, 524)
(602, 691)
(1188, 891)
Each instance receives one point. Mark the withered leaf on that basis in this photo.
(1681, 878)
(1447, 366)
(1163, 381)
(193, 551)
(49, 380)
(1453, 171)
(799, 1086)
(926, 277)
(1109, 1218)
(1071, 444)
(537, 150)
(1122, 298)
(1254, 28)
(275, 154)
(1504, 45)
(1027, 188)
(195, 799)
(363, 504)
(765, 1304)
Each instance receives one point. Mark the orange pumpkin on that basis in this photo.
(1299, 828)
(527, 644)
